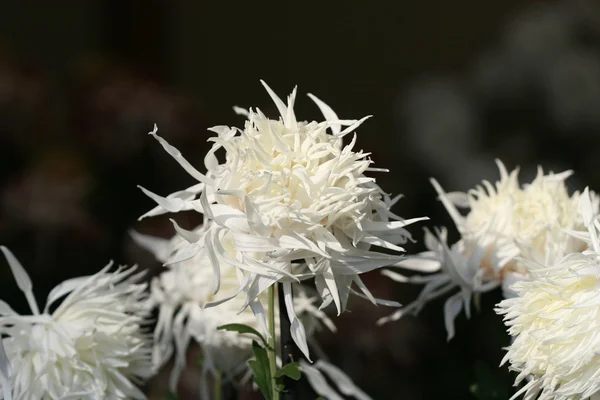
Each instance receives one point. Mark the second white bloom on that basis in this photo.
(504, 221)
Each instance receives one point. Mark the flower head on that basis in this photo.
(188, 309)
(509, 219)
(93, 345)
(295, 202)
(504, 221)
(554, 322)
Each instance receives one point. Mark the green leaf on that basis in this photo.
(291, 370)
(260, 369)
(243, 329)
(171, 396)
(280, 387)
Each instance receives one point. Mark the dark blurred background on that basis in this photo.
(452, 85)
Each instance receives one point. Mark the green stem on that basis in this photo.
(271, 350)
(218, 386)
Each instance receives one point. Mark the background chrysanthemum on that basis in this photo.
(296, 204)
(508, 219)
(93, 345)
(504, 221)
(554, 321)
(188, 309)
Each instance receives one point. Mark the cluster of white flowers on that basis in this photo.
(505, 221)
(294, 203)
(289, 203)
(542, 246)
(94, 345)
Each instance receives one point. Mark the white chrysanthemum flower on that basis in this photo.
(290, 195)
(504, 221)
(555, 321)
(510, 219)
(92, 346)
(188, 309)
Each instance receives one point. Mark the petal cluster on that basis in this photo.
(188, 310)
(94, 344)
(296, 204)
(504, 221)
(554, 322)
(455, 268)
(509, 219)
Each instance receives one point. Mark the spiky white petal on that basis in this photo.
(93, 345)
(455, 267)
(291, 195)
(317, 374)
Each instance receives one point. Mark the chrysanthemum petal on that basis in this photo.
(159, 247)
(343, 382)
(176, 154)
(328, 113)
(297, 328)
(452, 308)
(22, 278)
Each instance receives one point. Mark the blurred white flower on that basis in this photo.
(508, 220)
(554, 322)
(290, 196)
(5, 373)
(93, 345)
(188, 309)
(316, 375)
(504, 221)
